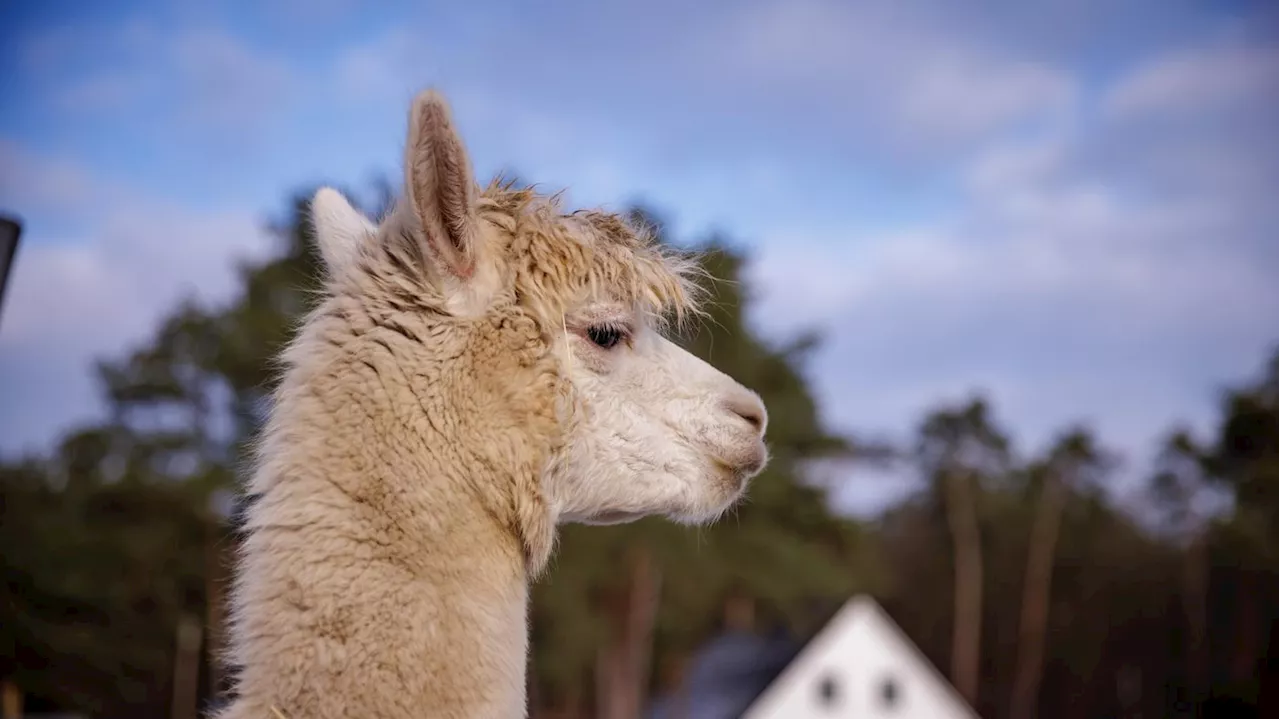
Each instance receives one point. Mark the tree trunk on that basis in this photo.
(1267, 691)
(966, 636)
(186, 668)
(1196, 589)
(740, 613)
(622, 666)
(1243, 665)
(1037, 592)
(567, 707)
(675, 684)
(12, 700)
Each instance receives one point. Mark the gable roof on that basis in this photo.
(861, 664)
(725, 676)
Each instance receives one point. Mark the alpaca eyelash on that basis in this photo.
(607, 335)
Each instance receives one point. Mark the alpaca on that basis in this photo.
(481, 367)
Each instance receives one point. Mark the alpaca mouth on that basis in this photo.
(755, 465)
(747, 464)
(730, 480)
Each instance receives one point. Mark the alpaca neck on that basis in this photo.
(375, 580)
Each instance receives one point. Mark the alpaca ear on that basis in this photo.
(439, 187)
(340, 229)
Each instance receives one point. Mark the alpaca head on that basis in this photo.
(647, 428)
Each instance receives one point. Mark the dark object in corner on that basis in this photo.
(10, 231)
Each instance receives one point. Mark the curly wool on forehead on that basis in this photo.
(562, 259)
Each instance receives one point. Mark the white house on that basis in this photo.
(860, 665)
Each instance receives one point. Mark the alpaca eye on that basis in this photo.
(605, 337)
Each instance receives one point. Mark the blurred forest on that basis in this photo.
(1017, 577)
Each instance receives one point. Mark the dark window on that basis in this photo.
(890, 692)
(828, 690)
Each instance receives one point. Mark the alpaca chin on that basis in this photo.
(604, 519)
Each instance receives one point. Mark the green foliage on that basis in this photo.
(964, 439)
(1244, 459)
(97, 574)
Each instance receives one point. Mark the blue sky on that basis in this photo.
(1069, 205)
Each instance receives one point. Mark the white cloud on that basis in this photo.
(198, 77)
(111, 91)
(1192, 81)
(93, 293)
(309, 13)
(1071, 281)
(1056, 246)
(878, 69)
(41, 184)
(72, 300)
(964, 97)
(46, 53)
(376, 70)
(885, 63)
(226, 83)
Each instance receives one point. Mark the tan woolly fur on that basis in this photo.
(482, 366)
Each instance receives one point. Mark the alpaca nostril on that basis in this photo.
(748, 407)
